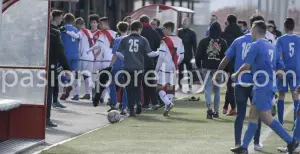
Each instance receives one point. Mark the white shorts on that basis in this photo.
(97, 66)
(165, 78)
(86, 65)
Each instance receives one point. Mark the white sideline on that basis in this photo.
(70, 139)
(268, 131)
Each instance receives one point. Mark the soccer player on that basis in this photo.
(171, 54)
(243, 87)
(289, 48)
(117, 65)
(134, 47)
(71, 48)
(86, 58)
(263, 57)
(103, 57)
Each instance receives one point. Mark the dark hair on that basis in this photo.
(79, 21)
(289, 24)
(122, 26)
(244, 23)
(104, 19)
(157, 21)
(69, 18)
(94, 17)
(56, 13)
(271, 22)
(144, 18)
(231, 19)
(170, 25)
(256, 17)
(260, 26)
(136, 25)
(214, 16)
(126, 18)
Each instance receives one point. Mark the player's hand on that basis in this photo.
(233, 76)
(62, 29)
(298, 89)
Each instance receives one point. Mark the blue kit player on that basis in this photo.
(71, 46)
(289, 48)
(263, 61)
(117, 65)
(244, 86)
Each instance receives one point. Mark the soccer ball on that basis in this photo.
(114, 116)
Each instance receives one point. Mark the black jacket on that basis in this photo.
(231, 32)
(154, 40)
(189, 39)
(211, 49)
(160, 32)
(277, 33)
(56, 50)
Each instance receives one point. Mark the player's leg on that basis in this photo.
(282, 88)
(231, 98)
(76, 87)
(216, 90)
(124, 101)
(152, 91)
(226, 103)
(87, 76)
(249, 134)
(100, 86)
(189, 68)
(146, 92)
(296, 134)
(293, 85)
(181, 75)
(208, 89)
(56, 103)
(241, 97)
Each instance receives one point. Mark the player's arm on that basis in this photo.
(114, 51)
(153, 54)
(229, 54)
(97, 46)
(160, 60)
(249, 59)
(180, 53)
(199, 54)
(194, 43)
(70, 33)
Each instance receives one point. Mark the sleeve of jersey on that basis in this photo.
(278, 46)
(180, 53)
(120, 46)
(252, 53)
(230, 53)
(74, 35)
(115, 46)
(279, 62)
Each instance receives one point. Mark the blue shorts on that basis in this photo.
(283, 86)
(263, 98)
(74, 64)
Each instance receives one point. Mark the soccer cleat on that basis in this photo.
(282, 149)
(292, 147)
(209, 114)
(297, 149)
(68, 90)
(258, 147)
(232, 112)
(239, 150)
(63, 97)
(132, 113)
(102, 101)
(138, 109)
(124, 112)
(156, 107)
(75, 98)
(225, 111)
(113, 107)
(96, 100)
(49, 123)
(86, 97)
(168, 109)
(216, 115)
(58, 105)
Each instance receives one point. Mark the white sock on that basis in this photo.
(164, 97)
(104, 93)
(88, 86)
(171, 97)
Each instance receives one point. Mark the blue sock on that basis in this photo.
(297, 130)
(280, 110)
(296, 104)
(280, 131)
(249, 134)
(113, 94)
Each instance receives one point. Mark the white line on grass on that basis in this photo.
(267, 132)
(70, 139)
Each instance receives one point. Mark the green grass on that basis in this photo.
(187, 131)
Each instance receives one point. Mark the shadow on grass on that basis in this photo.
(147, 118)
(186, 120)
(54, 131)
(265, 152)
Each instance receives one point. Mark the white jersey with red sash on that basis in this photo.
(105, 40)
(171, 54)
(85, 43)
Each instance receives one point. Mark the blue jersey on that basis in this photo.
(289, 46)
(119, 63)
(71, 45)
(238, 51)
(263, 57)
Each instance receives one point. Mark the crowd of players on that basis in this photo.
(136, 44)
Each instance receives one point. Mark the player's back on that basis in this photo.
(241, 45)
(289, 46)
(135, 47)
(265, 61)
(71, 44)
